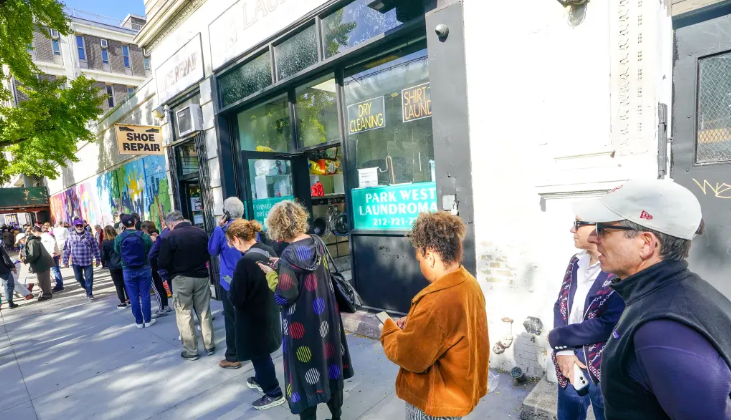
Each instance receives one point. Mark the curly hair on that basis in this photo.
(441, 233)
(287, 220)
(243, 229)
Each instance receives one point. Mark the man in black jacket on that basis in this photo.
(7, 268)
(669, 355)
(184, 254)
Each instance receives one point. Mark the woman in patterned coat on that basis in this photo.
(316, 356)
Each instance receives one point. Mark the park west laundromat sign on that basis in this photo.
(138, 139)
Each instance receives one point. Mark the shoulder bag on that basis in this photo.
(347, 297)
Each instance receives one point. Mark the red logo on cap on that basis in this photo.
(645, 215)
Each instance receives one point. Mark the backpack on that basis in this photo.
(132, 250)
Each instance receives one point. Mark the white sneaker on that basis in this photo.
(140, 326)
(151, 323)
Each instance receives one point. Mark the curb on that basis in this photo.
(362, 323)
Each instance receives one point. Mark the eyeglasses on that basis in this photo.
(580, 223)
(601, 228)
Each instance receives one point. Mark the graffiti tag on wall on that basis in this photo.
(719, 189)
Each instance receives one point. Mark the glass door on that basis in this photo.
(273, 177)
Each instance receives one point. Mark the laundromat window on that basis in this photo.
(362, 20)
(388, 116)
(296, 53)
(317, 112)
(245, 80)
(266, 128)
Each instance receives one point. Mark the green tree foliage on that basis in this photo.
(41, 132)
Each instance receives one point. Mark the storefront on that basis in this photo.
(336, 111)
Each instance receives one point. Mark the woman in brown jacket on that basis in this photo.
(442, 345)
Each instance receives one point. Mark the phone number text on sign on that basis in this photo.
(392, 207)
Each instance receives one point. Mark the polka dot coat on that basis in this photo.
(316, 356)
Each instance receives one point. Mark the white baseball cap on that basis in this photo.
(19, 237)
(656, 204)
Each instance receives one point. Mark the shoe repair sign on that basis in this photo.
(138, 139)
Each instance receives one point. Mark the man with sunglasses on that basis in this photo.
(586, 311)
(669, 355)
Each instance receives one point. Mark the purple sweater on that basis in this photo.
(670, 360)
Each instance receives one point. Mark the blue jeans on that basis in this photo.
(85, 279)
(137, 281)
(572, 406)
(8, 285)
(56, 271)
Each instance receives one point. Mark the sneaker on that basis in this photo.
(167, 309)
(268, 402)
(140, 326)
(42, 298)
(228, 364)
(211, 351)
(186, 356)
(151, 323)
(57, 289)
(90, 297)
(13, 305)
(121, 306)
(158, 314)
(251, 382)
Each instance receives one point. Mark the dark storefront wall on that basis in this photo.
(371, 80)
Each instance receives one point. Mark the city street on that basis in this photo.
(70, 358)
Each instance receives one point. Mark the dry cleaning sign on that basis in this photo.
(367, 115)
(138, 139)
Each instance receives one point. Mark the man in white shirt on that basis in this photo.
(585, 313)
(51, 244)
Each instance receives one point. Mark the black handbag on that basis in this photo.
(347, 297)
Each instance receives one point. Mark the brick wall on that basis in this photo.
(20, 96)
(42, 45)
(134, 20)
(120, 94)
(93, 52)
(103, 91)
(138, 66)
(115, 56)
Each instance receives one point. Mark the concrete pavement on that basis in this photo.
(70, 358)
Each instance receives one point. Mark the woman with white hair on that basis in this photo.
(233, 209)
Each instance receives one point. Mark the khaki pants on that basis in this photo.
(189, 293)
(44, 282)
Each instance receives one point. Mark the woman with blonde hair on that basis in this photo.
(442, 345)
(256, 316)
(315, 351)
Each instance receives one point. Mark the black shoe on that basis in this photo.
(121, 305)
(251, 382)
(211, 351)
(57, 289)
(42, 298)
(268, 402)
(13, 305)
(186, 356)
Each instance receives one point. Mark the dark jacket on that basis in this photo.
(315, 351)
(155, 253)
(185, 252)
(36, 255)
(110, 257)
(6, 264)
(602, 309)
(667, 290)
(258, 331)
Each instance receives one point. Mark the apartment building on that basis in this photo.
(97, 47)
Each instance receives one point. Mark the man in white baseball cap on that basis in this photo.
(670, 353)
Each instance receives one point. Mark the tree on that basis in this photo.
(41, 132)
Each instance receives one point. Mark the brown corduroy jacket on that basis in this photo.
(444, 348)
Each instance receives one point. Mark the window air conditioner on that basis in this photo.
(145, 52)
(54, 34)
(190, 120)
(104, 43)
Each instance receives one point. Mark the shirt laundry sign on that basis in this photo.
(416, 102)
(138, 139)
(392, 207)
(367, 115)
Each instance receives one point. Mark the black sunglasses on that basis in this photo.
(580, 223)
(601, 228)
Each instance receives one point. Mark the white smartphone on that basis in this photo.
(382, 316)
(581, 384)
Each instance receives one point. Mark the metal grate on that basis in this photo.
(714, 109)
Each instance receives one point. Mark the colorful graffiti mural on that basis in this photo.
(137, 187)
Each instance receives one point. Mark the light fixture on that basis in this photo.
(158, 112)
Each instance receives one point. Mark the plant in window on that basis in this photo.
(337, 33)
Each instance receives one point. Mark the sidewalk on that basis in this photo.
(70, 358)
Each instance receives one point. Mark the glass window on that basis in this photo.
(110, 96)
(146, 60)
(714, 109)
(357, 23)
(246, 80)
(125, 54)
(388, 110)
(317, 113)
(105, 56)
(271, 182)
(266, 128)
(56, 47)
(130, 91)
(296, 53)
(80, 47)
(187, 158)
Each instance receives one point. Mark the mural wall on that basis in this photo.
(139, 187)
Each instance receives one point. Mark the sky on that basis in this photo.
(115, 9)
